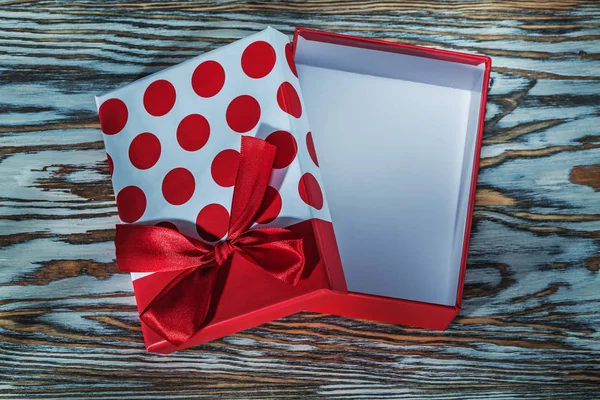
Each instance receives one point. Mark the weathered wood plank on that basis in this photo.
(530, 327)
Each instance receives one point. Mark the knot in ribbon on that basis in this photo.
(181, 308)
(223, 250)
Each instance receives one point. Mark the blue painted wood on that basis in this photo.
(530, 327)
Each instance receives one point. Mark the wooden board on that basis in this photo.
(530, 327)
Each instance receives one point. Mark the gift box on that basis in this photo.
(398, 132)
(229, 217)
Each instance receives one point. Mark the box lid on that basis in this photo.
(173, 143)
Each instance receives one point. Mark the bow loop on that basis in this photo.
(180, 309)
(277, 250)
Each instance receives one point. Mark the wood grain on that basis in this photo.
(530, 327)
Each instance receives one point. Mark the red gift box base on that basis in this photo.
(331, 59)
(386, 309)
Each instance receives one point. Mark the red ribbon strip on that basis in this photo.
(180, 309)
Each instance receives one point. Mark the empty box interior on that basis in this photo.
(395, 136)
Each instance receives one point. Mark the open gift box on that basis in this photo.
(398, 131)
(374, 166)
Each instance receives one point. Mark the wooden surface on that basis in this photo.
(530, 327)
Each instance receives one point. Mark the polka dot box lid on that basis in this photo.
(173, 139)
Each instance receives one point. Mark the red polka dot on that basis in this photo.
(144, 150)
(289, 56)
(270, 207)
(208, 79)
(111, 166)
(286, 148)
(258, 59)
(288, 100)
(113, 116)
(243, 113)
(310, 145)
(159, 98)
(224, 167)
(167, 224)
(131, 203)
(310, 191)
(212, 222)
(193, 132)
(178, 186)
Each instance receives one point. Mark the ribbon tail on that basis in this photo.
(181, 308)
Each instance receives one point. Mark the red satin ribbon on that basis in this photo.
(180, 309)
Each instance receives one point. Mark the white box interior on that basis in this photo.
(395, 136)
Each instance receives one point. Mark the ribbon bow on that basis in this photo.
(180, 309)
